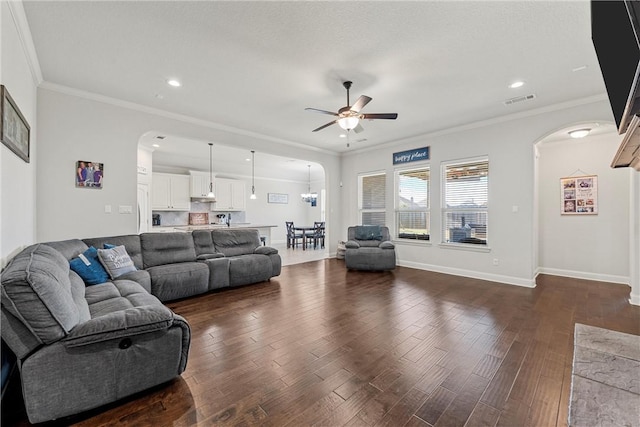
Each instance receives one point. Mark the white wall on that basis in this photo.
(509, 143)
(594, 247)
(17, 178)
(88, 126)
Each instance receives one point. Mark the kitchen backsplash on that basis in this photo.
(182, 218)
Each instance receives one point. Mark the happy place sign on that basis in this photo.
(409, 156)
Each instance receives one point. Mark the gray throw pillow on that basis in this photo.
(116, 261)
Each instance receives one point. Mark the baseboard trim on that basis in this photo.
(509, 280)
(610, 278)
(634, 299)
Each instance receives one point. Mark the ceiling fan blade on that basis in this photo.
(358, 128)
(360, 103)
(325, 126)
(331, 113)
(371, 116)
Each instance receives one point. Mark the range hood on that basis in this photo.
(628, 154)
(203, 199)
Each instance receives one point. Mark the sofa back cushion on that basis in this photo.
(239, 241)
(37, 289)
(372, 234)
(131, 243)
(166, 248)
(69, 248)
(203, 242)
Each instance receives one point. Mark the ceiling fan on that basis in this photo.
(348, 118)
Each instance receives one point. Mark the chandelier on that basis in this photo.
(309, 197)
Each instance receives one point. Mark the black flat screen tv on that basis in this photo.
(615, 32)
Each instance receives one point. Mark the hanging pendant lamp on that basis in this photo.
(253, 176)
(211, 194)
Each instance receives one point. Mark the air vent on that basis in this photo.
(160, 137)
(519, 99)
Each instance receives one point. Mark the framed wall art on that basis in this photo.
(14, 129)
(89, 174)
(579, 195)
(277, 198)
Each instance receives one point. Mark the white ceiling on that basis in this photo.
(255, 66)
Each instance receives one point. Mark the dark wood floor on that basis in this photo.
(322, 346)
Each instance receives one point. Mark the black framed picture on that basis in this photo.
(14, 129)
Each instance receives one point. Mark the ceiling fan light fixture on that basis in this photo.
(348, 123)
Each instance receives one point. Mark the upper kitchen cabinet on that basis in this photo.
(170, 192)
(230, 195)
(199, 184)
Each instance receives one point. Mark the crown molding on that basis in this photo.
(483, 123)
(16, 10)
(175, 116)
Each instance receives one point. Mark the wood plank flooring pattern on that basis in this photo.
(322, 346)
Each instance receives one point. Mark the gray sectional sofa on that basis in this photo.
(80, 347)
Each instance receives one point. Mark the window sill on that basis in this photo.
(411, 242)
(465, 247)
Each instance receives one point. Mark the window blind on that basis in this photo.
(373, 199)
(466, 194)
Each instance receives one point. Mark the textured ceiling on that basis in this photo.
(255, 66)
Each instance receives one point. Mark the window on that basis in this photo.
(372, 199)
(412, 204)
(465, 206)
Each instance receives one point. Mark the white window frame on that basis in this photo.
(362, 210)
(399, 210)
(470, 211)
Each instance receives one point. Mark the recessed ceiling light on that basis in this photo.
(156, 145)
(517, 84)
(174, 83)
(579, 133)
(342, 135)
(248, 160)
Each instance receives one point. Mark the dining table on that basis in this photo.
(307, 230)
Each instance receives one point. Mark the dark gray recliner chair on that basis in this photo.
(369, 247)
(80, 347)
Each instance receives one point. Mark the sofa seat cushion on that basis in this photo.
(179, 280)
(36, 288)
(117, 295)
(245, 269)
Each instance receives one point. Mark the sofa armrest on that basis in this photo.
(352, 244)
(203, 257)
(120, 324)
(387, 245)
(265, 250)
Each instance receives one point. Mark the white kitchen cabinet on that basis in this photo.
(170, 192)
(230, 195)
(199, 184)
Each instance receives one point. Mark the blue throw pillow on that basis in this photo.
(368, 232)
(89, 268)
(109, 246)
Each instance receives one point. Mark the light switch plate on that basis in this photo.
(125, 209)
(107, 208)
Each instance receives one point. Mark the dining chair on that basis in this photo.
(293, 238)
(318, 234)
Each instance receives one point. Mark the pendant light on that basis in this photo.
(253, 175)
(211, 195)
(309, 197)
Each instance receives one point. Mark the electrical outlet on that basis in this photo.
(496, 261)
(107, 208)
